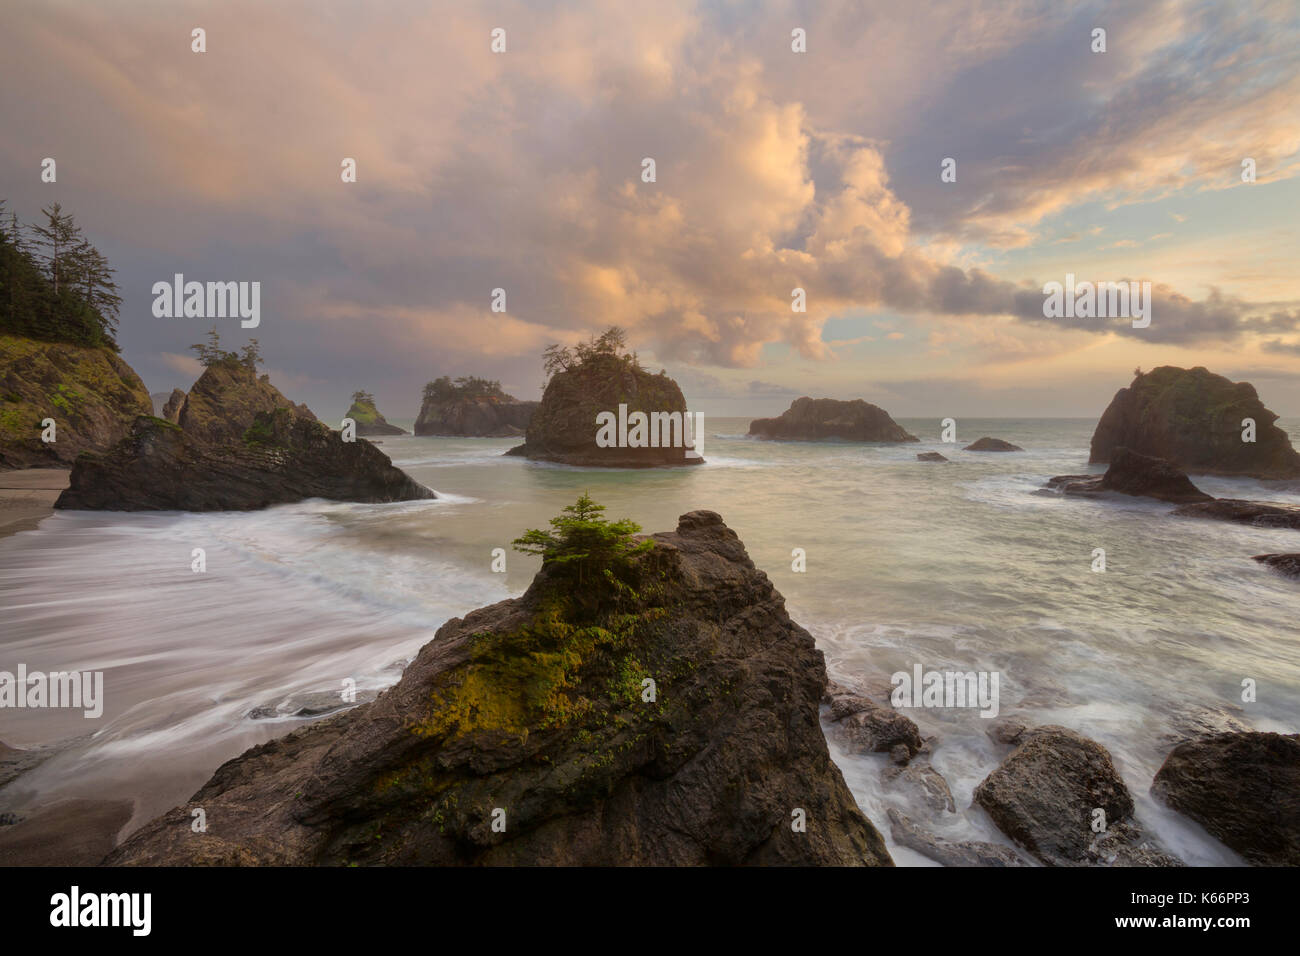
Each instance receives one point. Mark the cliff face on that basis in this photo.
(281, 458)
(1193, 419)
(370, 421)
(533, 714)
(475, 417)
(224, 401)
(92, 395)
(564, 427)
(819, 419)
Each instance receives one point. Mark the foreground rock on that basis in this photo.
(1288, 564)
(1257, 514)
(282, 458)
(1044, 796)
(1193, 418)
(564, 427)
(368, 418)
(1133, 474)
(92, 395)
(226, 399)
(991, 444)
(822, 419)
(863, 726)
(534, 707)
(1244, 788)
(949, 853)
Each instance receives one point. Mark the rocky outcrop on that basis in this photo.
(1193, 418)
(564, 427)
(930, 456)
(822, 419)
(222, 404)
(171, 410)
(92, 395)
(281, 458)
(1244, 788)
(863, 726)
(1045, 795)
(1133, 474)
(1287, 564)
(534, 713)
(991, 444)
(482, 417)
(1257, 514)
(369, 421)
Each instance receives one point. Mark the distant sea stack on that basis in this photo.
(472, 407)
(1194, 419)
(531, 713)
(369, 420)
(90, 393)
(991, 444)
(597, 382)
(825, 419)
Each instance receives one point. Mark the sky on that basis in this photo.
(774, 170)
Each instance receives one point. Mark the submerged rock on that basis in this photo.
(1258, 514)
(1133, 474)
(92, 395)
(1194, 419)
(533, 714)
(1045, 795)
(1288, 564)
(864, 726)
(821, 419)
(282, 458)
(1244, 788)
(949, 853)
(930, 456)
(991, 444)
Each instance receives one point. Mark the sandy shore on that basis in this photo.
(27, 495)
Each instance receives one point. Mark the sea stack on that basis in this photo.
(1198, 421)
(524, 734)
(829, 419)
(369, 420)
(472, 408)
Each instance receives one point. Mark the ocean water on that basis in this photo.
(957, 566)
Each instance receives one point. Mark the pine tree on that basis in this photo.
(60, 236)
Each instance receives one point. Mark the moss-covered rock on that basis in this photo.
(534, 713)
(1193, 419)
(92, 395)
(370, 421)
(222, 404)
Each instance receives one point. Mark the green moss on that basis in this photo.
(259, 433)
(363, 413)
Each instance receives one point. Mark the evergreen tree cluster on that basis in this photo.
(610, 343)
(54, 284)
(445, 390)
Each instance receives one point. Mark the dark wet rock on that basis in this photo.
(1288, 564)
(223, 404)
(863, 726)
(534, 706)
(930, 456)
(1191, 722)
(1044, 796)
(1193, 418)
(1133, 474)
(1257, 514)
(1007, 731)
(1243, 788)
(949, 853)
(92, 395)
(564, 427)
(921, 778)
(281, 458)
(310, 705)
(991, 444)
(822, 419)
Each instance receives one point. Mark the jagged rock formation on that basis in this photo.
(991, 444)
(370, 421)
(821, 419)
(92, 395)
(1044, 796)
(1133, 474)
(222, 404)
(1193, 418)
(479, 417)
(564, 428)
(534, 712)
(1244, 788)
(171, 411)
(281, 458)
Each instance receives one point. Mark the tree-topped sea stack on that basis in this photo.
(1197, 421)
(369, 420)
(595, 404)
(472, 407)
(829, 419)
